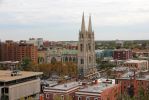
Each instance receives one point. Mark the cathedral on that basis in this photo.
(86, 51)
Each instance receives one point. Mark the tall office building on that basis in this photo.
(86, 50)
(13, 51)
(8, 50)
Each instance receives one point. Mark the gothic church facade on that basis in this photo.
(86, 50)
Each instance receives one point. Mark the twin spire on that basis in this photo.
(89, 25)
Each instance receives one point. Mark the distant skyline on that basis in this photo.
(60, 20)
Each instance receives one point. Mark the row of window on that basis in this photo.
(88, 98)
(88, 46)
(79, 98)
(48, 97)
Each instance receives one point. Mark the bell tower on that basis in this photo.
(86, 50)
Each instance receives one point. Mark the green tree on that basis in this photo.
(141, 93)
(25, 64)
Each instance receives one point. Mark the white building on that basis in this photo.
(19, 85)
(37, 42)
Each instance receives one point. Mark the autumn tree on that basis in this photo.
(60, 68)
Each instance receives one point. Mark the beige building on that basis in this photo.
(138, 64)
(86, 51)
(16, 85)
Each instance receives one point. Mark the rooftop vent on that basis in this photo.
(65, 85)
(15, 73)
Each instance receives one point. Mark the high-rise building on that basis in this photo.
(86, 50)
(36, 41)
(8, 51)
(13, 51)
(26, 50)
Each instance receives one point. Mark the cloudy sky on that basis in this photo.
(61, 19)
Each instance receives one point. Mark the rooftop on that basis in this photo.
(98, 88)
(120, 69)
(130, 75)
(5, 75)
(66, 86)
(122, 50)
(135, 61)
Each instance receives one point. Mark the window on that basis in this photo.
(89, 46)
(6, 90)
(95, 98)
(62, 97)
(82, 61)
(89, 59)
(81, 47)
(66, 59)
(82, 36)
(142, 83)
(79, 98)
(47, 95)
(87, 98)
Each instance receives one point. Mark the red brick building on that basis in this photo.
(101, 91)
(122, 54)
(27, 50)
(83, 91)
(62, 91)
(8, 50)
(134, 80)
(13, 51)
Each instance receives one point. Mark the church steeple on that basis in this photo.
(86, 51)
(83, 24)
(90, 25)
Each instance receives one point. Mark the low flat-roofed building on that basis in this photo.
(117, 62)
(138, 64)
(15, 85)
(61, 91)
(99, 91)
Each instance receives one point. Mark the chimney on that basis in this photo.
(84, 83)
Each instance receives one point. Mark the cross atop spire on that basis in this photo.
(83, 24)
(90, 25)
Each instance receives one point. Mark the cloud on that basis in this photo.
(27, 14)
(27, 11)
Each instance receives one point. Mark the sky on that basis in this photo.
(60, 20)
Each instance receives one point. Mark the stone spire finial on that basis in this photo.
(83, 24)
(90, 25)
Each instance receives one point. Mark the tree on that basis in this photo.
(25, 64)
(59, 68)
(106, 66)
(45, 68)
(141, 93)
